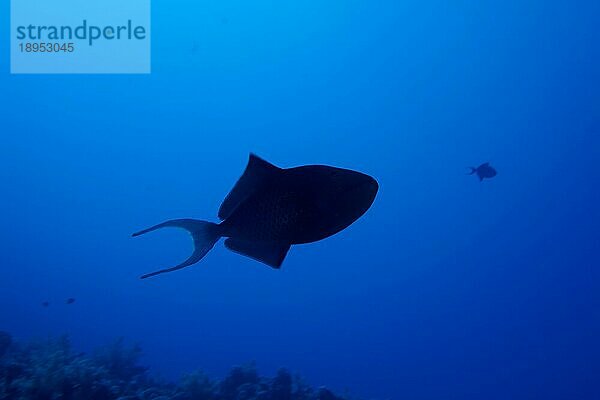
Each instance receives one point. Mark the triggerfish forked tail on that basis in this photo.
(271, 208)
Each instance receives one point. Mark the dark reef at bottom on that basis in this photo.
(51, 370)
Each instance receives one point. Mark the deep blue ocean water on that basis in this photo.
(447, 287)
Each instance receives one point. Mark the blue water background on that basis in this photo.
(446, 288)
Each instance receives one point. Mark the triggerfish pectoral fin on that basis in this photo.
(205, 235)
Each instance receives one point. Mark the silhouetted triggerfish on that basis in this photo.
(70, 300)
(271, 208)
(484, 171)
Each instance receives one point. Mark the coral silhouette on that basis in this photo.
(5, 342)
(51, 370)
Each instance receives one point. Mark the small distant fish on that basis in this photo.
(70, 300)
(484, 171)
(271, 208)
(45, 303)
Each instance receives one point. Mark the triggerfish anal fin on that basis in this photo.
(256, 173)
(205, 235)
(270, 253)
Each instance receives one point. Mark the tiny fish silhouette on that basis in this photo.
(45, 303)
(70, 300)
(271, 208)
(484, 171)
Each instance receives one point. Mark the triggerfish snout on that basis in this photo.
(271, 208)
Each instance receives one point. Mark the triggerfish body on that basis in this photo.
(484, 171)
(271, 208)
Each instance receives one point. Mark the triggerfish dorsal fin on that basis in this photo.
(270, 253)
(257, 172)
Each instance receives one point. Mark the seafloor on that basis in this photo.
(52, 370)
